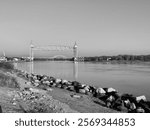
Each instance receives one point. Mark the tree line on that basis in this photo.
(119, 58)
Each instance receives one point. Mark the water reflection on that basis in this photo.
(74, 69)
(31, 67)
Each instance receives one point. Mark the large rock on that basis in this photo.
(127, 103)
(129, 97)
(45, 78)
(109, 90)
(34, 77)
(57, 80)
(83, 86)
(145, 105)
(77, 86)
(69, 83)
(87, 88)
(92, 89)
(132, 107)
(37, 81)
(110, 99)
(39, 77)
(75, 83)
(83, 91)
(100, 91)
(139, 98)
(140, 110)
(70, 88)
(47, 82)
(64, 82)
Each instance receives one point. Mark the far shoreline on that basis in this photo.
(98, 62)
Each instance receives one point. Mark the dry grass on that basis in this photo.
(6, 66)
(8, 81)
(37, 107)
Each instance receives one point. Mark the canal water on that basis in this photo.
(126, 78)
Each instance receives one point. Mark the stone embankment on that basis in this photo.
(111, 97)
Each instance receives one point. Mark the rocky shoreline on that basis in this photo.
(112, 98)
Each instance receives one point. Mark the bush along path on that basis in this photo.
(111, 97)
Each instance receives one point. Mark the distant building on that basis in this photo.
(15, 59)
(3, 58)
(108, 59)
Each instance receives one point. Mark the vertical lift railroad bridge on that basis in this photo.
(53, 48)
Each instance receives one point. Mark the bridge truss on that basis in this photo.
(53, 48)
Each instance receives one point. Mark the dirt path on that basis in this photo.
(84, 104)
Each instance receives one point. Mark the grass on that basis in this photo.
(6, 66)
(40, 107)
(8, 81)
(36, 105)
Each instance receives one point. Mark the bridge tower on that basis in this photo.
(31, 51)
(75, 51)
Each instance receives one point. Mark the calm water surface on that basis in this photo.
(126, 78)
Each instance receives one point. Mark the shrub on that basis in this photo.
(6, 66)
(36, 106)
(8, 81)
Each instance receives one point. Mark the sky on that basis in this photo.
(99, 27)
